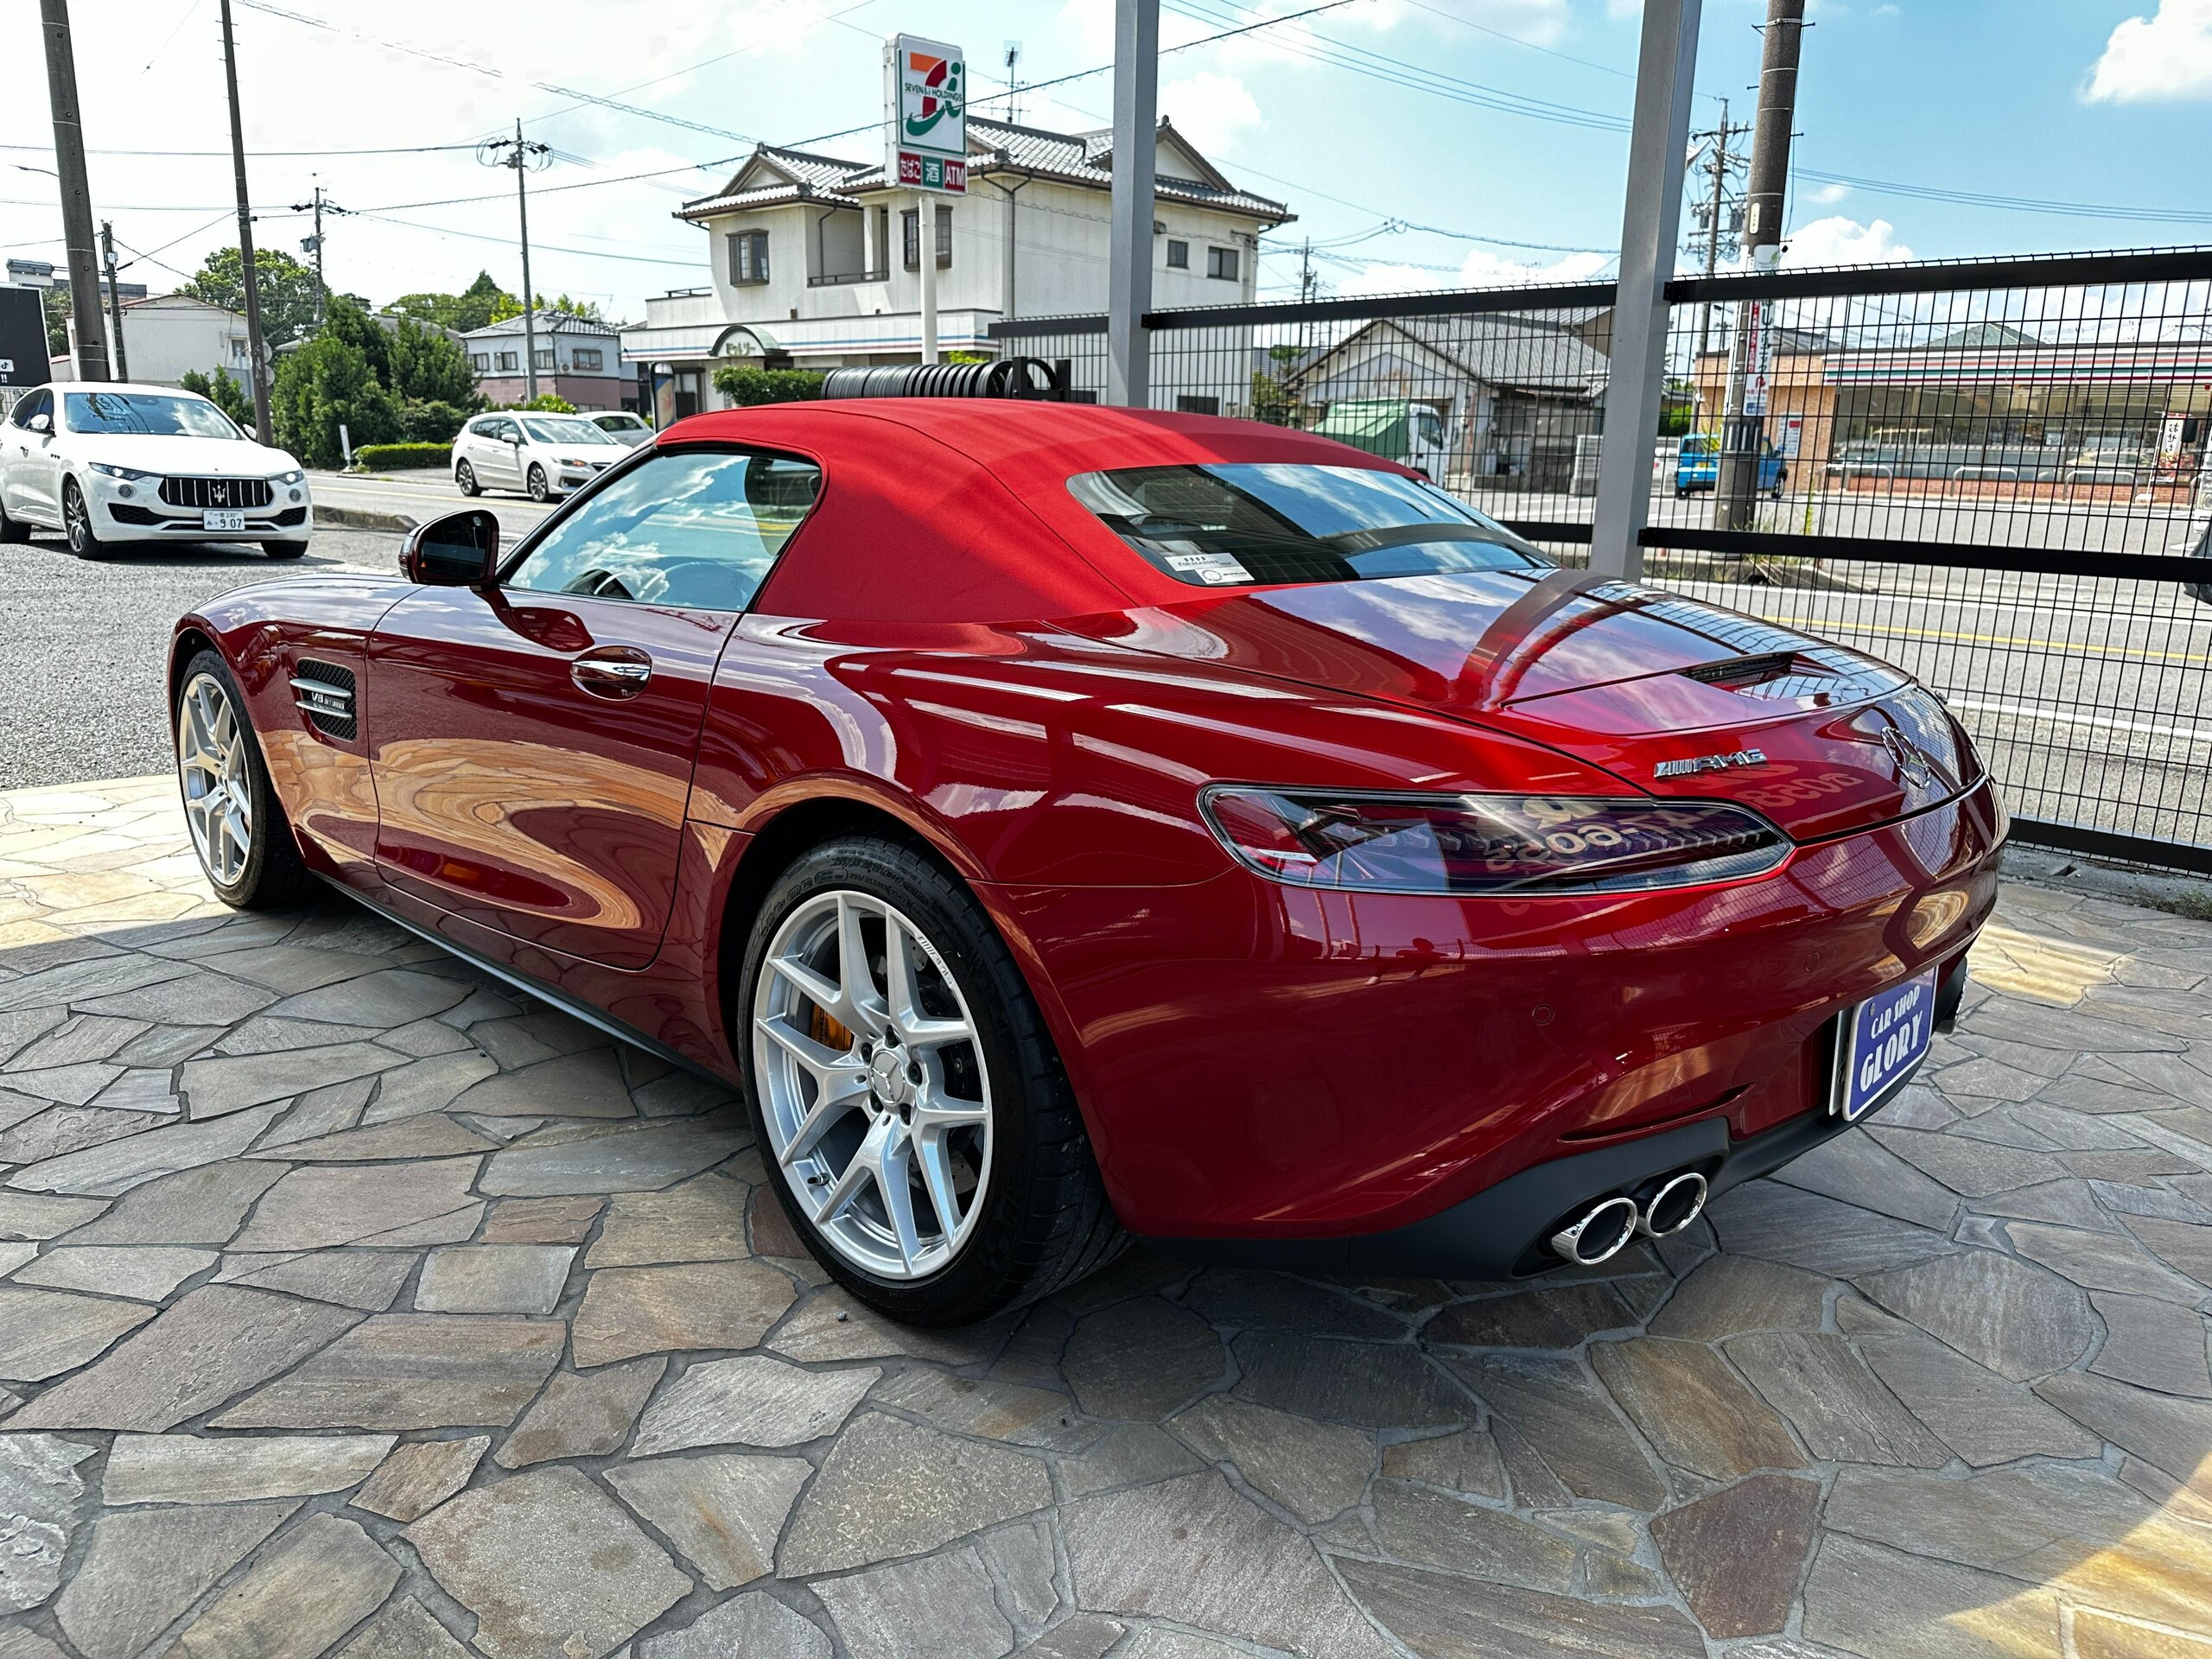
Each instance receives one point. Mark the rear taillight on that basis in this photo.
(1488, 843)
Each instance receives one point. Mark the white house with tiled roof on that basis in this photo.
(816, 259)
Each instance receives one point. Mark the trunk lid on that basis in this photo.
(1673, 697)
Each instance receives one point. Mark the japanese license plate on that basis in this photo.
(213, 520)
(1880, 1042)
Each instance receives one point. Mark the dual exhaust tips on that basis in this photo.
(1608, 1227)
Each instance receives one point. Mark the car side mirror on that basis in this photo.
(459, 550)
(42, 423)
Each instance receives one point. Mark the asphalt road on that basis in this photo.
(421, 496)
(83, 646)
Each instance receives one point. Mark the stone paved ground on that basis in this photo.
(352, 1305)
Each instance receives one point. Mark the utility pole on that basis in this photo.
(1719, 162)
(1743, 433)
(1129, 258)
(248, 273)
(114, 300)
(88, 341)
(313, 245)
(1652, 218)
(522, 157)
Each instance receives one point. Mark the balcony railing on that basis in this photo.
(840, 278)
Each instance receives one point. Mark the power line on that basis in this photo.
(2015, 204)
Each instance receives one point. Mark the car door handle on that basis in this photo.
(612, 671)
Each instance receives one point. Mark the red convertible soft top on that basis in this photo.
(956, 510)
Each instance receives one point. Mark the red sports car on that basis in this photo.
(1066, 823)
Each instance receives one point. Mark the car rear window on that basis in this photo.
(1250, 524)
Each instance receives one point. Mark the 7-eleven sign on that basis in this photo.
(925, 100)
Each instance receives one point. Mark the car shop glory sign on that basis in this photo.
(926, 94)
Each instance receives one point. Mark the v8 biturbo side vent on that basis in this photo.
(324, 692)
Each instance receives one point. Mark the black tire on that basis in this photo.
(464, 479)
(274, 874)
(76, 522)
(539, 489)
(13, 529)
(1045, 1219)
(284, 550)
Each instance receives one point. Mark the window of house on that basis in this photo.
(911, 224)
(1192, 403)
(589, 357)
(1179, 256)
(543, 357)
(749, 259)
(510, 360)
(1220, 263)
(480, 361)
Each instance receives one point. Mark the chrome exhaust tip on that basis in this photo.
(1603, 1232)
(1679, 1201)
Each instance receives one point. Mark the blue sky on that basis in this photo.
(2084, 101)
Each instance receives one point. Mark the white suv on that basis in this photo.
(541, 455)
(113, 463)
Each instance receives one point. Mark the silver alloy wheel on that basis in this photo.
(874, 1090)
(211, 743)
(76, 518)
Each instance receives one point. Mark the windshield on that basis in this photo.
(621, 423)
(559, 431)
(147, 413)
(1237, 525)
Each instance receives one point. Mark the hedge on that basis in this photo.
(398, 457)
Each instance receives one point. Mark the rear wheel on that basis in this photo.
(921, 1133)
(245, 848)
(539, 489)
(464, 476)
(76, 522)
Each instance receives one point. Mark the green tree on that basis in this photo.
(428, 364)
(288, 291)
(57, 322)
(482, 303)
(747, 386)
(546, 402)
(222, 390)
(326, 383)
(582, 310)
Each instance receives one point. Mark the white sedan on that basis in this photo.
(114, 463)
(541, 455)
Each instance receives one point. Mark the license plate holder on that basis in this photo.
(219, 518)
(1880, 1043)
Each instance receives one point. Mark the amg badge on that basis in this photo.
(1709, 763)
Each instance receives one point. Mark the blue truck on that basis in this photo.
(1697, 466)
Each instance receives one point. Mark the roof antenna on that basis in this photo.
(1014, 83)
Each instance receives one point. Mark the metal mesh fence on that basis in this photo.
(1993, 475)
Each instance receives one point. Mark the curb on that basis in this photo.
(361, 519)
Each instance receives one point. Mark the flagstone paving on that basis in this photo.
(352, 1304)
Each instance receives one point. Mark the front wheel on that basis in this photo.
(284, 550)
(922, 1136)
(12, 530)
(245, 848)
(76, 522)
(539, 489)
(464, 477)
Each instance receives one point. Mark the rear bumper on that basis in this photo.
(1501, 1232)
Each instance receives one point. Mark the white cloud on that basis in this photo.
(2167, 55)
(1213, 111)
(1827, 195)
(1841, 241)
(1480, 269)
